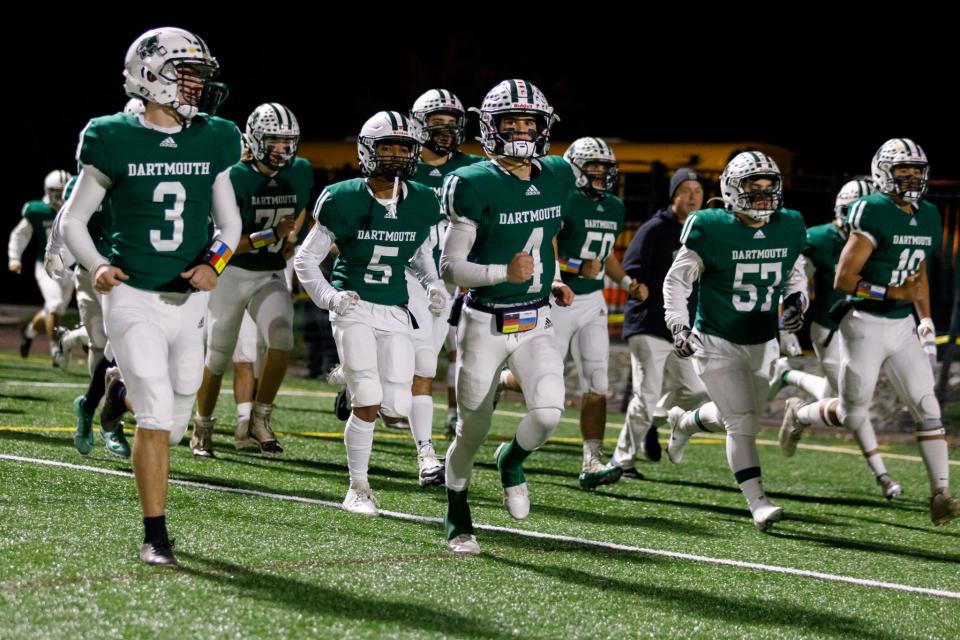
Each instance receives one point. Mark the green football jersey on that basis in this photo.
(99, 221)
(40, 216)
(824, 244)
(512, 215)
(375, 244)
(433, 177)
(901, 243)
(745, 271)
(263, 201)
(590, 229)
(161, 191)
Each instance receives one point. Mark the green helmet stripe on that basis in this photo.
(513, 91)
(404, 125)
(276, 112)
(529, 88)
(602, 145)
(393, 120)
(289, 115)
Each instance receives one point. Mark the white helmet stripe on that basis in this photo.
(317, 207)
(449, 188)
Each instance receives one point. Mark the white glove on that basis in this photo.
(343, 302)
(789, 344)
(685, 341)
(928, 340)
(438, 299)
(53, 264)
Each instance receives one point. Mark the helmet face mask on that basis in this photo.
(751, 185)
(442, 116)
(900, 168)
(446, 133)
(272, 135)
(395, 158)
(389, 146)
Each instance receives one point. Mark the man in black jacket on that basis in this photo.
(660, 378)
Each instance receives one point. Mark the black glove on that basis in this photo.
(839, 309)
(793, 312)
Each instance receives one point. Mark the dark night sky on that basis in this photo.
(832, 97)
(830, 92)
(834, 105)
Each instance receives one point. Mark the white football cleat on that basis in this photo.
(517, 501)
(889, 487)
(780, 367)
(431, 471)
(678, 440)
(360, 500)
(764, 516)
(791, 428)
(464, 545)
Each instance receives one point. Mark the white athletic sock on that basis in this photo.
(358, 438)
(421, 419)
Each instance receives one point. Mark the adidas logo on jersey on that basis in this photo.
(272, 183)
(532, 190)
(547, 324)
(391, 212)
(435, 173)
(169, 143)
(200, 324)
(759, 235)
(600, 208)
(913, 222)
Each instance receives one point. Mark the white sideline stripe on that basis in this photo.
(515, 414)
(673, 555)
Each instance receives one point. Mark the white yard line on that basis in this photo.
(672, 555)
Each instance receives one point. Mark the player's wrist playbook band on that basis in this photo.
(570, 265)
(217, 256)
(869, 291)
(263, 238)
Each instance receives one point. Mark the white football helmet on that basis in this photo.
(751, 165)
(850, 193)
(899, 152)
(592, 150)
(157, 62)
(134, 105)
(440, 101)
(517, 97)
(272, 120)
(53, 186)
(389, 126)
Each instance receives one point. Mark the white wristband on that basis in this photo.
(625, 282)
(927, 323)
